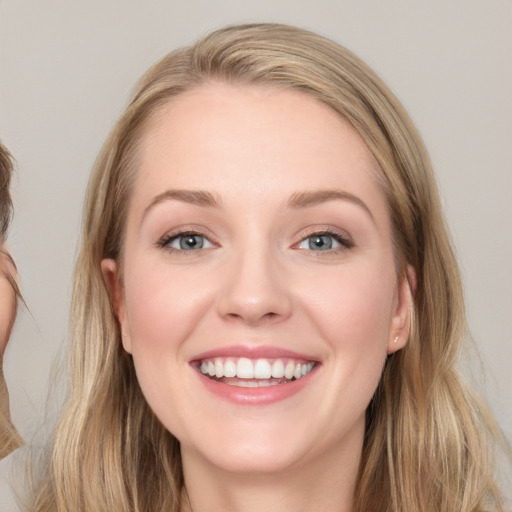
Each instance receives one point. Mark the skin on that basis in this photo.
(257, 281)
(7, 300)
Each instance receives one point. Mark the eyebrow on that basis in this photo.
(194, 197)
(297, 200)
(308, 199)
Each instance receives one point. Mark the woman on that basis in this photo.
(9, 437)
(267, 311)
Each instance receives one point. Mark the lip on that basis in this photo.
(262, 351)
(259, 395)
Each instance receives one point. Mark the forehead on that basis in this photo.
(249, 140)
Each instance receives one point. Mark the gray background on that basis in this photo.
(66, 71)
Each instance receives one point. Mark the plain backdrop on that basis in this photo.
(66, 72)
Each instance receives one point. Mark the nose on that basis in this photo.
(255, 291)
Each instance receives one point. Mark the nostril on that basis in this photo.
(269, 317)
(254, 319)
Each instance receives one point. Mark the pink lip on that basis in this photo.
(265, 351)
(254, 396)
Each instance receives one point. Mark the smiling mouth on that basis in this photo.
(262, 372)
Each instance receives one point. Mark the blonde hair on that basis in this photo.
(429, 442)
(9, 437)
(6, 167)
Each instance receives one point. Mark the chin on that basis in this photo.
(254, 458)
(252, 446)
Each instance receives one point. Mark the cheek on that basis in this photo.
(353, 305)
(162, 309)
(163, 306)
(353, 309)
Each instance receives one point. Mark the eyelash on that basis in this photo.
(344, 241)
(166, 240)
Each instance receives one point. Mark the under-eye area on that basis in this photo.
(245, 372)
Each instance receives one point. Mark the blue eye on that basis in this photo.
(324, 242)
(186, 242)
(319, 243)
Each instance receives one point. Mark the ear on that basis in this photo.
(402, 318)
(113, 282)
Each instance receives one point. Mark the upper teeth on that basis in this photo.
(245, 368)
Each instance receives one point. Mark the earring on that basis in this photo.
(395, 340)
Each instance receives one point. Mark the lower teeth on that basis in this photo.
(252, 383)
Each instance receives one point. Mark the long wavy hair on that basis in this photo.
(9, 437)
(429, 440)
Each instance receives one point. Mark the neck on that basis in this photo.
(325, 485)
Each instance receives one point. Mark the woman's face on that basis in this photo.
(7, 299)
(258, 249)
